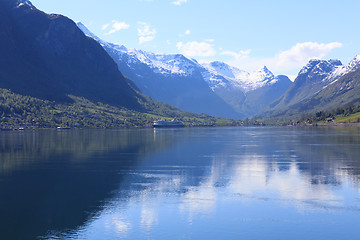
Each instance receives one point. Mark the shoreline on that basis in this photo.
(334, 124)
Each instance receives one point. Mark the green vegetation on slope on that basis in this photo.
(18, 111)
(346, 114)
(352, 118)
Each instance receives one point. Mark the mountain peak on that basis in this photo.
(320, 67)
(221, 68)
(26, 2)
(355, 62)
(265, 70)
(263, 74)
(335, 62)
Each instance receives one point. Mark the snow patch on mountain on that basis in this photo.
(320, 67)
(341, 70)
(325, 70)
(221, 75)
(25, 2)
(163, 63)
(329, 71)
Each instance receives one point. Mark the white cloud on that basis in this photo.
(179, 2)
(115, 27)
(287, 62)
(145, 39)
(301, 53)
(145, 32)
(243, 54)
(187, 32)
(196, 49)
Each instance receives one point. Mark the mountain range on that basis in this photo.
(171, 78)
(214, 88)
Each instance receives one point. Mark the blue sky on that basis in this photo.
(283, 35)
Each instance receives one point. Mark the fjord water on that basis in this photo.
(201, 183)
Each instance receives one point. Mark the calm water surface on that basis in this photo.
(206, 183)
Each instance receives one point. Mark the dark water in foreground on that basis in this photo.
(215, 183)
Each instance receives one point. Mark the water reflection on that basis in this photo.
(185, 183)
(57, 180)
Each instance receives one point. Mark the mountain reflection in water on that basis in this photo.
(218, 183)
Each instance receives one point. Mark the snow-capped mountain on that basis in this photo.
(171, 78)
(216, 72)
(174, 64)
(313, 77)
(160, 63)
(21, 2)
(214, 88)
(341, 70)
(248, 93)
(318, 80)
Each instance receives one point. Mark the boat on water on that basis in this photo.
(167, 124)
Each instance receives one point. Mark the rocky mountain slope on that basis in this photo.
(49, 57)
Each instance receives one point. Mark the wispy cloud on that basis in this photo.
(146, 33)
(179, 2)
(115, 26)
(196, 49)
(104, 27)
(187, 32)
